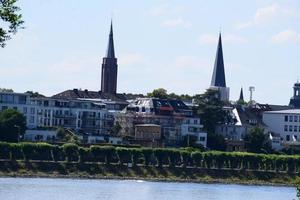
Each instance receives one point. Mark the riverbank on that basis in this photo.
(150, 173)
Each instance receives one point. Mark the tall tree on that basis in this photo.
(211, 110)
(257, 142)
(159, 93)
(12, 125)
(12, 20)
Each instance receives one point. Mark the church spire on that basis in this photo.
(241, 95)
(218, 77)
(110, 49)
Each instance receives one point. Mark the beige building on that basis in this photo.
(148, 135)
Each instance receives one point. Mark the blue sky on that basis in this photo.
(159, 43)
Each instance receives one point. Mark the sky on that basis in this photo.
(158, 43)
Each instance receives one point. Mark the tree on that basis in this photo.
(158, 93)
(210, 110)
(216, 142)
(6, 90)
(256, 141)
(12, 125)
(116, 128)
(34, 94)
(11, 18)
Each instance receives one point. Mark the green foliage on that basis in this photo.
(210, 110)
(158, 93)
(216, 142)
(135, 155)
(160, 155)
(124, 155)
(106, 152)
(162, 93)
(12, 124)
(116, 128)
(12, 21)
(58, 153)
(257, 142)
(84, 154)
(37, 151)
(71, 152)
(4, 150)
(187, 157)
(147, 154)
(16, 152)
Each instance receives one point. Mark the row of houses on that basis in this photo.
(149, 122)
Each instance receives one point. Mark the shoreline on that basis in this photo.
(102, 171)
(163, 180)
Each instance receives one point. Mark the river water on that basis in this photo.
(83, 189)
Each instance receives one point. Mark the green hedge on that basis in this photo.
(147, 156)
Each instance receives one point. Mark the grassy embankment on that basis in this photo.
(102, 171)
(70, 160)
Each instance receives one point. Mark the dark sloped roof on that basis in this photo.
(110, 49)
(218, 77)
(75, 94)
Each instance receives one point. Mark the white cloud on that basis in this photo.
(131, 59)
(267, 14)
(177, 22)
(227, 38)
(166, 9)
(287, 36)
(190, 62)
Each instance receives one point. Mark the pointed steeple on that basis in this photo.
(110, 49)
(241, 95)
(218, 77)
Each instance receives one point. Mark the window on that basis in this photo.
(295, 118)
(288, 137)
(286, 118)
(195, 121)
(32, 111)
(202, 139)
(24, 110)
(143, 109)
(295, 128)
(4, 107)
(285, 128)
(31, 119)
(291, 118)
(290, 128)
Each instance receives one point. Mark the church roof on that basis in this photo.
(241, 95)
(218, 77)
(110, 49)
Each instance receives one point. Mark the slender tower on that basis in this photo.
(218, 81)
(109, 67)
(241, 95)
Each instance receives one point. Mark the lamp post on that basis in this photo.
(19, 130)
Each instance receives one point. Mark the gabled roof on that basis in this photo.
(218, 77)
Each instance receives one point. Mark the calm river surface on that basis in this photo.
(75, 189)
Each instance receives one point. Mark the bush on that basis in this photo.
(147, 154)
(71, 152)
(37, 151)
(58, 153)
(108, 152)
(4, 150)
(174, 157)
(135, 156)
(84, 154)
(160, 154)
(197, 158)
(124, 155)
(185, 157)
(16, 152)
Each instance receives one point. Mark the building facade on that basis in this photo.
(41, 112)
(173, 116)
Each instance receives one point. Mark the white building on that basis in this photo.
(193, 126)
(285, 123)
(79, 115)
